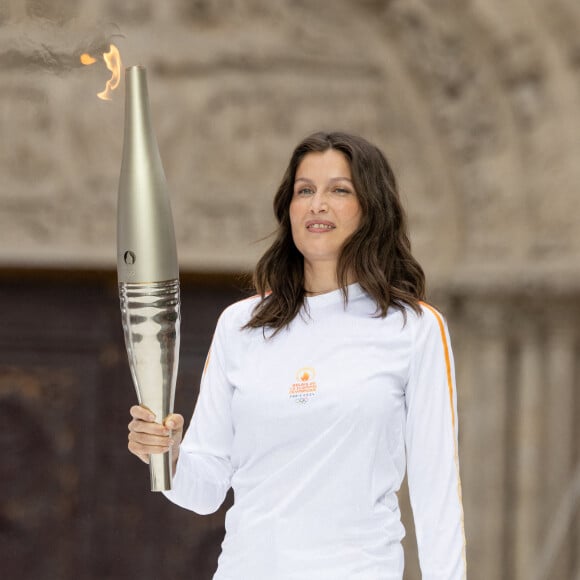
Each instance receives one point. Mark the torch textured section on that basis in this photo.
(151, 320)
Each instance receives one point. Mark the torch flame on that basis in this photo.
(87, 59)
(113, 61)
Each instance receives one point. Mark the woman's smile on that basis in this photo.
(319, 226)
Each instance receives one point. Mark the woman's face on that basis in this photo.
(324, 210)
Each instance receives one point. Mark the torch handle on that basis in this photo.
(160, 470)
(151, 324)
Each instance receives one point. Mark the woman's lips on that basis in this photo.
(319, 226)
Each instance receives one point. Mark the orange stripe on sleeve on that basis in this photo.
(447, 357)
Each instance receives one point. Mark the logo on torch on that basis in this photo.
(129, 258)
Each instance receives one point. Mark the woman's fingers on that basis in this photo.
(140, 426)
(174, 422)
(146, 436)
(142, 444)
(157, 442)
(142, 413)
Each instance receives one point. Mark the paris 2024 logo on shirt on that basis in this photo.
(305, 386)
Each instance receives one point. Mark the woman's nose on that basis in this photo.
(318, 203)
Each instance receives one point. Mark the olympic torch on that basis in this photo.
(147, 267)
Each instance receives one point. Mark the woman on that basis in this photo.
(319, 392)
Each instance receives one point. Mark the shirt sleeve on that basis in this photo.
(204, 468)
(432, 458)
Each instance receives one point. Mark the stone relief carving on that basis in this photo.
(474, 104)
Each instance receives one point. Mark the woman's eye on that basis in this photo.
(341, 190)
(304, 191)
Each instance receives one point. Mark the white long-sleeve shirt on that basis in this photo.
(313, 430)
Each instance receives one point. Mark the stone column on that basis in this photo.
(559, 458)
(483, 378)
(528, 446)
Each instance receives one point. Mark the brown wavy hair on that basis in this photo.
(377, 255)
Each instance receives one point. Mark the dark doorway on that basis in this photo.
(73, 502)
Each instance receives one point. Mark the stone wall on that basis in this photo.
(476, 103)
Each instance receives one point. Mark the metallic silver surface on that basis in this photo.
(147, 267)
(151, 319)
(146, 249)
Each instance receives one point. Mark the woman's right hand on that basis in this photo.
(146, 436)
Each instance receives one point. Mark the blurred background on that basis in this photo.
(477, 105)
